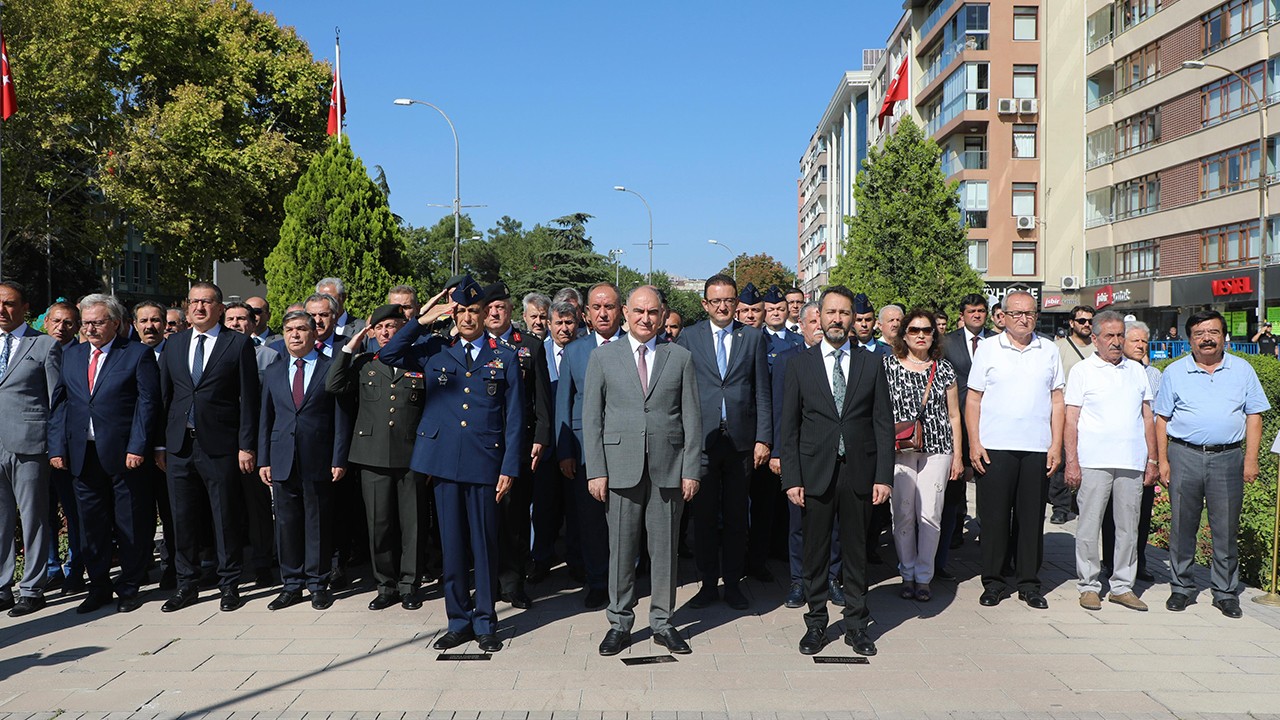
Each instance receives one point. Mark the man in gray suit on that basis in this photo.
(647, 475)
(30, 365)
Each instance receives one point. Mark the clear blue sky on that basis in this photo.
(703, 106)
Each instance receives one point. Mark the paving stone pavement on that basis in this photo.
(948, 658)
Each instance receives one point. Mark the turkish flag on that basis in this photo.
(897, 91)
(337, 103)
(8, 98)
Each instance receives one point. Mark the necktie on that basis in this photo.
(93, 368)
(973, 345)
(468, 348)
(643, 366)
(197, 365)
(257, 341)
(320, 348)
(838, 388)
(606, 341)
(4, 354)
(299, 376)
(722, 363)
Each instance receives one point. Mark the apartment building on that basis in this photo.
(1174, 218)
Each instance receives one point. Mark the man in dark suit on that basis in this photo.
(469, 441)
(209, 383)
(837, 461)
(552, 491)
(604, 315)
(732, 367)
(62, 323)
(149, 327)
(304, 436)
(104, 415)
(388, 405)
(959, 348)
(513, 511)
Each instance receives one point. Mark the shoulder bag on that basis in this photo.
(909, 434)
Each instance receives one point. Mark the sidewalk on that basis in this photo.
(947, 658)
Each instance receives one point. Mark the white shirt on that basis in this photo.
(969, 347)
(16, 335)
(600, 339)
(557, 352)
(212, 335)
(97, 373)
(728, 341)
(1110, 398)
(829, 362)
(651, 346)
(1017, 392)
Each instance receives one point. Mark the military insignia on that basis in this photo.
(515, 336)
(372, 373)
(443, 379)
(523, 351)
(495, 364)
(491, 388)
(493, 343)
(416, 375)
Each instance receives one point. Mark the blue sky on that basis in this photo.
(704, 107)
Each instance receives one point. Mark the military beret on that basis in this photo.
(774, 295)
(862, 304)
(496, 291)
(386, 312)
(468, 292)
(749, 295)
(456, 280)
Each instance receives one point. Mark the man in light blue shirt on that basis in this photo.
(1209, 404)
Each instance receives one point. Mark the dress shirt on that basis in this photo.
(728, 341)
(308, 369)
(557, 354)
(212, 335)
(969, 347)
(600, 339)
(652, 345)
(829, 363)
(1209, 409)
(97, 376)
(1017, 392)
(1153, 379)
(869, 346)
(1111, 433)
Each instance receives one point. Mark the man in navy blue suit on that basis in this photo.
(105, 411)
(552, 496)
(304, 438)
(469, 440)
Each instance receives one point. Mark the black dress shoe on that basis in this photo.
(813, 641)
(734, 598)
(596, 599)
(835, 593)
(94, 601)
(451, 640)
(184, 597)
(54, 582)
(127, 604)
(1057, 518)
(1229, 607)
(942, 574)
(519, 599)
(411, 602)
(26, 605)
(284, 600)
(230, 599)
(537, 572)
(6, 601)
(321, 599)
(990, 598)
(1034, 599)
(382, 602)
(861, 642)
(338, 578)
(795, 596)
(671, 640)
(489, 643)
(1178, 602)
(706, 597)
(614, 641)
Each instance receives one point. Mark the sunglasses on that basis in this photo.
(916, 330)
(1082, 321)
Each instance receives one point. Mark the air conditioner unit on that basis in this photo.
(1026, 222)
(1070, 282)
(1007, 106)
(1028, 106)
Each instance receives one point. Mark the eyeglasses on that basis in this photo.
(201, 301)
(916, 330)
(1082, 321)
(720, 302)
(95, 323)
(1020, 314)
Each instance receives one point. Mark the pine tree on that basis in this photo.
(907, 244)
(337, 223)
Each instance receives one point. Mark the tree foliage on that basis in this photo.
(907, 243)
(336, 223)
(762, 270)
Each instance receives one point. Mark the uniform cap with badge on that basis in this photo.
(774, 295)
(496, 291)
(862, 304)
(468, 292)
(749, 295)
(385, 312)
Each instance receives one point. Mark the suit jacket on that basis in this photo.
(387, 403)
(226, 402)
(776, 386)
(531, 357)
(27, 393)
(472, 426)
(569, 397)
(277, 344)
(744, 390)
(779, 344)
(553, 385)
(812, 425)
(957, 354)
(626, 430)
(124, 406)
(315, 436)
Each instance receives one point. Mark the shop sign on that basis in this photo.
(1052, 301)
(999, 290)
(1108, 295)
(1232, 286)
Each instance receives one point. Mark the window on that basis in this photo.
(1229, 245)
(978, 255)
(1231, 21)
(1024, 199)
(1136, 69)
(1024, 258)
(1024, 81)
(1137, 197)
(977, 86)
(1226, 98)
(1229, 171)
(1132, 12)
(1098, 28)
(1137, 260)
(1024, 23)
(1097, 207)
(973, 200)
(1139, 131)
(1099, 146)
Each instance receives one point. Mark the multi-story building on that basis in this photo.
(1173, 157)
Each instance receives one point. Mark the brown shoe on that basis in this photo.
(1090, 601)
(1128, 600)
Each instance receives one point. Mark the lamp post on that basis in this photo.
(735, 257)
(457, 202)
(1262, 180)
(617, 265)
(619, 188)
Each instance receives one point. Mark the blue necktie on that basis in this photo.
(722, 362)
(4, 354)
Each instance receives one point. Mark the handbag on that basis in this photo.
(909, 434)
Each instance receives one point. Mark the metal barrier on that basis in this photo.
(1164, 349)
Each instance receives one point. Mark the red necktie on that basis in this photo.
(974, 343)
(93, 367)
(642, 366)
(298, 376)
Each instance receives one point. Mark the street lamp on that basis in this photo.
(619, 188)
(617, 265)
(457, 202)
(1262, 180)
(735, 257)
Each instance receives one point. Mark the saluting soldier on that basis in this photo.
(388, 407)
(469, 441)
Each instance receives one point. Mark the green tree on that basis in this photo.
(336, 223)
(428, 252)
(908, 243)
(568, 259)
(762, 270)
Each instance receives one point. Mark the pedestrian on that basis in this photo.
(552, 491)
(795, 303)
(62, 323)
(537, 308)
(750, 309)
(149, 326)
(864, 327)
(341, 323)
(1267, 344)
(673, 326)
(1074, 348)
(889, 323)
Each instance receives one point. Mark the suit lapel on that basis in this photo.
(219, 348)
(737, 348)
(108, 365)
(659, 361)
(318, 374)
(20, 350)
(856, 366)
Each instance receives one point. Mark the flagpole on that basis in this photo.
(337, 70)
(6, 63)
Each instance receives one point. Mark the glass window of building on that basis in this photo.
(1024, 258)
(977, 86)
(1231, 21)
(978, 255)
(1226, 98)
(1024, 23)
(1229, 245)
(1024, 199)
(1132, 12)
(1024, 81)
(1137, 260)
(1138, 131)
(973, 200)
(1229, 171)
(1137, 68)
(1138, 196)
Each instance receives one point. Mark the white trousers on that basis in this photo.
(919, 482)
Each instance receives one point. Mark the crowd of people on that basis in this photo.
(439, 439)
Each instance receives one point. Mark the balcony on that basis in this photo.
(1100, 42)
(954, 162)
(936, 16)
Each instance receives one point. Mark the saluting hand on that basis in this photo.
(431, 312)
(357, 341)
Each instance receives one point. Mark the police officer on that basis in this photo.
(469, 441)
(513, 511)
(388, 407)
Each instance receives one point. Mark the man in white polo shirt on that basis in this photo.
(1110, 449)
(1015, 403)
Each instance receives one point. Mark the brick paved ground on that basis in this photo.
(950, 658)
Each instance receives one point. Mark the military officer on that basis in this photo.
(469, 440)
(513, 512)
(775, 325)
(750, 307)
(388, 407)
